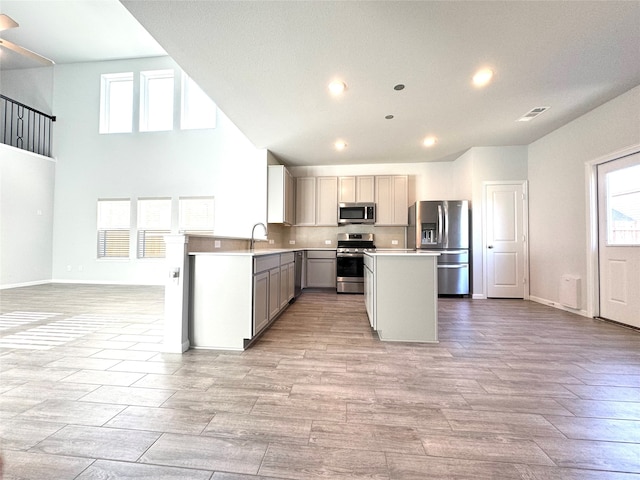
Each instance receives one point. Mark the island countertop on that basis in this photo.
(260, 252)
(402, 252)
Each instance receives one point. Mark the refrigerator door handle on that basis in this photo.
(440, 240)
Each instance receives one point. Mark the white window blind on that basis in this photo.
(116, 103)
(154, 222)
(114, 220)
(198, 110)
(156, 100)
(195, 214)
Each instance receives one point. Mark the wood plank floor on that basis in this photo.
(514, 390)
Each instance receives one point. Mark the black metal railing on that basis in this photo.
(24, 127)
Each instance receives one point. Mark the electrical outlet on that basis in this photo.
(216, 244)
(394, 242)
(68, 268)
(327, 242)
(292, 242)
(271, 242)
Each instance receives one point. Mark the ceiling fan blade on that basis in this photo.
(26, 52)
(6, 22)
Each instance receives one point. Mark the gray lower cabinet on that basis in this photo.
(321, 269)
(260, 301)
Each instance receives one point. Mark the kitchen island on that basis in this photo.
(401, 294)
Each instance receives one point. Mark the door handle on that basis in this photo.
(490, 246)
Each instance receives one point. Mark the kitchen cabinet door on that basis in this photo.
(321, 269)
(280, 195)
(284, 286)
(356, 189)
(346, 189)
(365, 189)
(327, 201)
(274, 292)
(392, 193)
(260, 302)
(291, 288)
(306, 201)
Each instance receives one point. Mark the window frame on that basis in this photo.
(107, 81)
(109, 231)
(184, 228)
(148, 234)
(189, 87)
(147, 102)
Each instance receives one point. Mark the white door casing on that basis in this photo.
(618, 260)
(505, 239)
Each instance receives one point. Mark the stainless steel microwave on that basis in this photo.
(356, 213)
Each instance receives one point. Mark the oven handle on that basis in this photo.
(349, 255)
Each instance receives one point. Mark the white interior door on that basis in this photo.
(619, 239)
(505, 240)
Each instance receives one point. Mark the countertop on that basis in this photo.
(261, 251)
(382, 252)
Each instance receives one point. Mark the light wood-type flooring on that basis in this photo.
(514, 390)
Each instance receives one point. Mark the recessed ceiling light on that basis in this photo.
(340, 145)
(399, 87)
(337, 87)
(482, 77)
(430, 141)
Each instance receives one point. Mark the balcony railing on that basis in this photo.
(24, 127)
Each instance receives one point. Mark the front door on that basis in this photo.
(619, 239)
(505, 240)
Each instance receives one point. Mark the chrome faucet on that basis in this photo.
(253, 231)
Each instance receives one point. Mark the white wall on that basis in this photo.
(558, 202)
(26, 217)
(219, 162)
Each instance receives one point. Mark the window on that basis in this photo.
(116, 103)
(156, 100)
(198, 110)
(196, 215)
(623, 206)
(114, 217)
(154, 222)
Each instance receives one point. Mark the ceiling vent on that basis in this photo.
(533, 113)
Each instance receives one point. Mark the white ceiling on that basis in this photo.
(267, 65)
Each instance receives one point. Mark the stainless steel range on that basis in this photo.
(350, 262)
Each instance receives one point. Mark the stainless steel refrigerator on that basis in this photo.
(443, 226)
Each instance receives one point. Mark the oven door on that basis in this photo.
(350, 267)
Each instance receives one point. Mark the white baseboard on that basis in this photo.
(478, 296)
(78, 282)
(105, 282)
(557, 305)
(25, 284)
